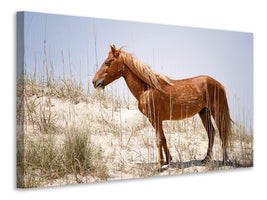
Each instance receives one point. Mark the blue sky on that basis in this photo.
(178, 52)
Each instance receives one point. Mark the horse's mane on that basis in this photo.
(144, 72)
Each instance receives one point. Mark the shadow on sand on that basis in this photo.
(183, 165)
(212, 164)
(192, 163)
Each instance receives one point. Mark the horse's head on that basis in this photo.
(110, 70)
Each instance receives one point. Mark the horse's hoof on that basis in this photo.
(159, 170)
(159, 167)
(168, 161)
(205, 161)
(224, 162)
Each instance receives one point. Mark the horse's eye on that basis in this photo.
(108, 62)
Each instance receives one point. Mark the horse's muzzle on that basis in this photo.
(98, 84)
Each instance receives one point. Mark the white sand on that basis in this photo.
(128, 140)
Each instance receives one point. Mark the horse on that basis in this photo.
(161, 98)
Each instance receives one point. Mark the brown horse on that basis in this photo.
(160, 98)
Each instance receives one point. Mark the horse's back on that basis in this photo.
(188, 96)
(203, 79)
(183, 99)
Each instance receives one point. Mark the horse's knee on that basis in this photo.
(160, 141)
(164, 142)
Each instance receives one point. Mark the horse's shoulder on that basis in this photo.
(144, 97)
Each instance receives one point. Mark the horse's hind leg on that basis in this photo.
(222, 130)
(206, 120)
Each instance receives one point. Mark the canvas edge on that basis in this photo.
(20, 48)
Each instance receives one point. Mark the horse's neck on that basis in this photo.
(135, 84)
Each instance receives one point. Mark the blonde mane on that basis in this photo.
(144, 72)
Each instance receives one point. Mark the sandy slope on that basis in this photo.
(128, 140)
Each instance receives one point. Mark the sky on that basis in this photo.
(176, 51)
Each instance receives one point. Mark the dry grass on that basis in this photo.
(50, 157)
(47, 149)
(66, 135)
(70, 137)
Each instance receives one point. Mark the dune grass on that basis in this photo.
(68, 145)
(58, 149)
(48, 151)
(46, 160)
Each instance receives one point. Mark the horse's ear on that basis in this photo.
(112, 48)
(114, 51)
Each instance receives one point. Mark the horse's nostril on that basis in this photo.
(98, 83)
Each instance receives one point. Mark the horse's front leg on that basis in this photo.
(165, 147)
(166, 151)
(161, 144)
(160, 154)
(156, 124)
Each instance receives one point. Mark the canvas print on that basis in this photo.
(103, 100)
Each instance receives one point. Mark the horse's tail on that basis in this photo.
(226, 124)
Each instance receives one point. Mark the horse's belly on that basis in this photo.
(181, 115)
(180, 111)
